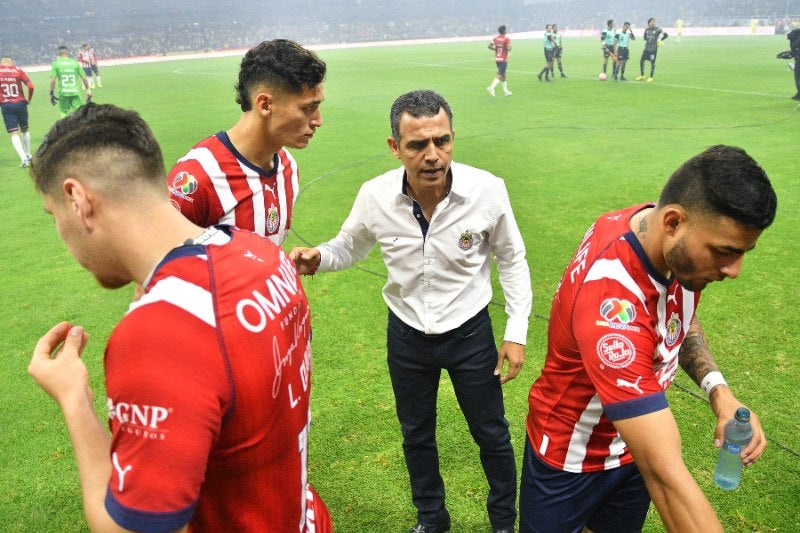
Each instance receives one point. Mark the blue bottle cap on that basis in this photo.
(743, 414)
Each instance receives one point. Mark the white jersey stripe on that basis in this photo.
(613, 269)
(180, 293)
(218, 180)
(254, 183)
(280, 184)
(615, 450)
(579, 441)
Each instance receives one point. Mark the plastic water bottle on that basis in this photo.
(738, 433)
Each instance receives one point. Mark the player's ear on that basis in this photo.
(79, 200)
(672, 216)
(394, 146)
(263, 102)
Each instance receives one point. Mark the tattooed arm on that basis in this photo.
(696, 360)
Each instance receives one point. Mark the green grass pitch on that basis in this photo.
(568, 150)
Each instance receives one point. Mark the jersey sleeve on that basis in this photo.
(617, 343)
(187, 193)
(167, 395)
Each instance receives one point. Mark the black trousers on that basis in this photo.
(469, 355)
(797, 74)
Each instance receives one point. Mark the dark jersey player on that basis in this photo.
(653, 39)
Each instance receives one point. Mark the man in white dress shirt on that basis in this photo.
(439, 224)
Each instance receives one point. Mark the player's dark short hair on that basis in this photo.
(723, 180)
(501, 29)
(63, 48)
(280, 64)
(419, 103)
(609, 22)
(96, 131)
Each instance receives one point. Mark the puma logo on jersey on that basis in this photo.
(673, 297)
(270, 188)
(250, 255)
(120, 471)
(635, 385)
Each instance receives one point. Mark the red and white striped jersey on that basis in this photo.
(616, 326)
(214, 184)
(87, 57)
(501, 44)
(208, 384)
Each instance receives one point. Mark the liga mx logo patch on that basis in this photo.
(273, 219)
(184, 184)
(616, 310)
(465, 241)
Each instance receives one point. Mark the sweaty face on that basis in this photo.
(426, 150)
(709, 249)
(295, 117)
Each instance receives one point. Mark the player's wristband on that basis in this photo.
(711, 380)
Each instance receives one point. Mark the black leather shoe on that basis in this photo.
(440, 527)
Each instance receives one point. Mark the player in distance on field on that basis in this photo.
(87, 57)
(207, 386)
(653, 39)
(501, 46)
(14, 106)
(67, 75)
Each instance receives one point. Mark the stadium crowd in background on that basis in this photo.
(128, 29)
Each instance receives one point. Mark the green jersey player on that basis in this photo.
(67, 73)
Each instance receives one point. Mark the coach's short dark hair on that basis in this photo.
(280, 64)
(723, 180)
(419, 103)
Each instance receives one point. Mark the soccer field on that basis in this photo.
(568, 150)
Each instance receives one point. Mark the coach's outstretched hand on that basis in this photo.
(306, 260)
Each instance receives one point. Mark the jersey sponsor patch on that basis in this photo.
(143, 421)
(465, 241)
(183, 185)
(615, 351)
